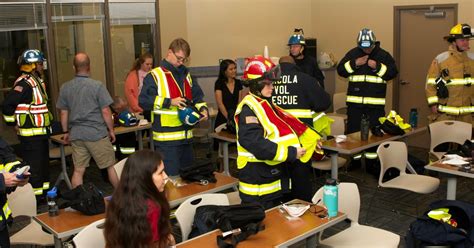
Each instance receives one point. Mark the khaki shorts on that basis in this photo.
(101, 150)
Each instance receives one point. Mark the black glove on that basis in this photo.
(441, 89)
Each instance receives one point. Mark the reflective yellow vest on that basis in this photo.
(5, 209)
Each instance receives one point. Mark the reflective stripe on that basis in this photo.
(366, 79)
(115, 148)
(32, 131)
(383, 69)
(9, 118)
(46, 185)
(29, 108)
(366, 100)
(318, 116)
(127, 150)
(200, 105)
(453, 82)
(170, 136)
(166, 112)
(9, 166)
(456, 110)
(357, 157)
(300, 113)
(433, 100)
(370, 155)
(259, 190)
(38, 191)
(6, 211)
(348, 67)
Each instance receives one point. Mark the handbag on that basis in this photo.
(202, 172)
(85, 198)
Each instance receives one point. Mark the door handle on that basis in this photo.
(403, 82)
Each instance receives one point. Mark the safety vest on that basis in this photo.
(169, 88)
(457, 70)
(36, 111)
(5, 208)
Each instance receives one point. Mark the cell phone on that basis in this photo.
(21, 171)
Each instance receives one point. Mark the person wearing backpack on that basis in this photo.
(268, 138)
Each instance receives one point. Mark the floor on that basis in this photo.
(380, 215)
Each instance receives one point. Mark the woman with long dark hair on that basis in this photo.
(228, 90)
(138, 213)
(134, 81)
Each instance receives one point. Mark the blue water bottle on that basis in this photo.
(413, 120)
(330, 197)
(53, 209)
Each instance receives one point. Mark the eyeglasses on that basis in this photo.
(181, 59)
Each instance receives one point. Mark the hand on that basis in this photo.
(112, 136)
(319, 145)
(171, 240)
(300, 151)
(372, 64)
(24, 181)
(434, 109)
(362, 60)
(11, 180)
(205, 115)
(66, 138)
(178, 102)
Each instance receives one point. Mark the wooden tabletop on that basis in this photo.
(224, 136)
(449, 169)
(176, 195)
(58, 138)
(279, 231)
(354, 144)
(67, 222)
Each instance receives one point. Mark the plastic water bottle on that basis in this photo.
(330, 197)
(364, 127)
(53, 209)
(413, 120)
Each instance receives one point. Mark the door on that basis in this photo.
(419, 32)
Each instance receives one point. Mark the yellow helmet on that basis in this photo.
(460, 31)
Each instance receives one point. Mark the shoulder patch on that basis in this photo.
(251, 119)
(18, 88)
(442, 57)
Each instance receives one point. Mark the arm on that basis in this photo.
(198, 99)
(251, 137)
(107, 115)
(430, 87)
(318, 97)
(386, 67)
(149, 99)
(64, 116)
(220, 104)
(346, 66)
(13, 98)
(131, 91)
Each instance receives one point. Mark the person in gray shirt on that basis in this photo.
(86, 120)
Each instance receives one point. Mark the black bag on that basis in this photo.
(230, 125)
(87, 199)
(391, 128)
(246, 216)
(202, 172)
(426, 231)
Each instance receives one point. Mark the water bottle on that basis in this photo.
(330, 196)
(413, 120)
(364, 127)
(53, 209)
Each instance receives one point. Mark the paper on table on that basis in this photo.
(454, 159)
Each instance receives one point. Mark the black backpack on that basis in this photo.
(202, 172)
(426, 231)
(246, 216)
(85, 198)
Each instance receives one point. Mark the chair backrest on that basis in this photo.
(348, 200)
(392, 154)
(220, 127)
(339, 102)
(118, 167)
(187, 209)
(91, 236)
(338, 127)
(449, 131)
(23, 201)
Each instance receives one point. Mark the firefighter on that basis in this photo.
(268, 137)
(300, 95)
(307, 64)
(25, 107)
(8, 183)
(448, 83)
(368, 68)
(166, 89)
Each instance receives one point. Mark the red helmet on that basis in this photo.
(257, 66)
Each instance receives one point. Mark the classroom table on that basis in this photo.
(452, 172)
(225, 138)
(63, 176)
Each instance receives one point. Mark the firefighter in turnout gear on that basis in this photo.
(166, 89)
(25, 107)
(368, 68)
(8, 183)
(449, 89)
(268, 138)
(307, 64)
(301, 95)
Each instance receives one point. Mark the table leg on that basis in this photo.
(152, 144)
(225, 151)
(334, 165)
(57, 242)
(140, 140)
(451, 193)
(63, 166)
